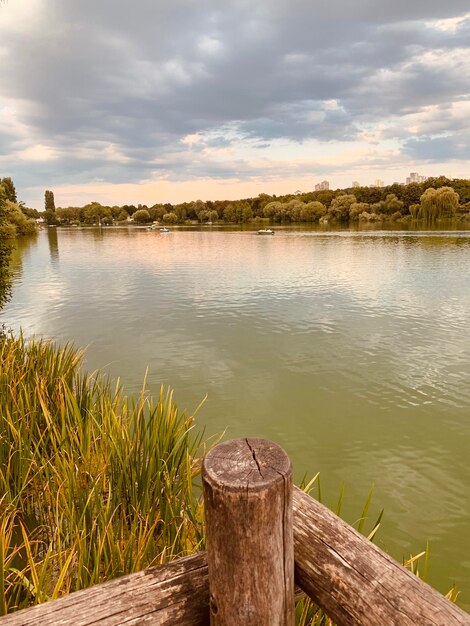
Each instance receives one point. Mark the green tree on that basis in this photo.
(22, 225)
(142, 216)
(95, 213)
(437, 203)
(9, 189)
(325, 197)
(357, 209)
(194, 209)
(181, 212)
(49, 204)
(69, 215)
(258, 204)
(49, 208)
(462, 187)
(340, 207)
(411, 194)
(32, 213)
(129, 208)
(120, 215)
(50, 217)
(312, 211)
(273, 210)
(203, 216)
(246, 214)
(390, 205)
(294, 210)
(170, 218)
(230, 215)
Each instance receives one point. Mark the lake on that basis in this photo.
(349, 349)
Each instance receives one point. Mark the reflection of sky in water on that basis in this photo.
(350, 349)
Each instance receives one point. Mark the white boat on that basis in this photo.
(265, 231)
(164, 230)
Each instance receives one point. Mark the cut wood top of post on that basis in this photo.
(242, 464)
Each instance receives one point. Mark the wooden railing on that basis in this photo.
(260, 530)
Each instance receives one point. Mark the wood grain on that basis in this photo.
(177, 593)
(248, 508)
(357, 583)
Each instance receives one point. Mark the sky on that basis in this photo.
(149, 101)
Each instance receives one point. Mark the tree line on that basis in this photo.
(431, 200)
(428, 201)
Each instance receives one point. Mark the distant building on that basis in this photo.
(355, 183)
(414, 177)
(323, 186)
(378, 183)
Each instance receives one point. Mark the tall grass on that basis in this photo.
(93, 484)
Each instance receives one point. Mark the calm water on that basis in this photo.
(350, 349)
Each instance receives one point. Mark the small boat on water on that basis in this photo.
(164, 230)
(265, 231)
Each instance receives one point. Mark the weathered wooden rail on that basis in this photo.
(260, 530)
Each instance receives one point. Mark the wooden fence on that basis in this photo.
(261, 534)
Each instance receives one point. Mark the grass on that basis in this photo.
(95, 484)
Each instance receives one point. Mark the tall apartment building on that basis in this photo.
(378, 183)
(414, 177)
(323, 186)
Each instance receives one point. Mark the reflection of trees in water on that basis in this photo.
(53, 242)
(440, 240)
(12, 253)
(98, 233)
(14, 265)
(20, 246)
(5, 274)
(5, 277)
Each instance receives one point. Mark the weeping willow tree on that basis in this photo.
(438, 203)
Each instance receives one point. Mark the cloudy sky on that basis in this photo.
(171, 100)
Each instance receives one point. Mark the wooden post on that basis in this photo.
(248, 508)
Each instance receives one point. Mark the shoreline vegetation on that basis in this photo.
(415, 204)
(426, 203)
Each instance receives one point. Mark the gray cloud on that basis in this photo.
(96, 79)
(439, 149)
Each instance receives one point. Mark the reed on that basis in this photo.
(95, 484)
